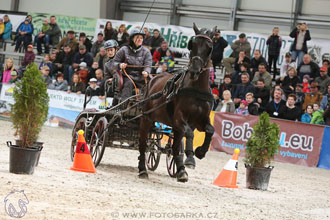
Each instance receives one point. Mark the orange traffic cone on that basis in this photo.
(82, 159)
(228, 176)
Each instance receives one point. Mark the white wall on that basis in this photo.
(5, 4)
(316, 7)
(267, 5)
(79, 8)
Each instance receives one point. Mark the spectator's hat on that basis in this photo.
(13, 73)
(59, 74)
(83, 64)
(26, 19)
(93, 80)
(244, 102)
(70, 32)
(82, 47)
(46, 19)
(307, 77)
(315, 85)
(323, 69)
(30, 46)
(82, 34)
(242, 35)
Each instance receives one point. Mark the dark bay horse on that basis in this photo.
(189, 109)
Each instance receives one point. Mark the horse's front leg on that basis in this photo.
(181, 175)
(190, 160)
(145, 126)
(201, 151)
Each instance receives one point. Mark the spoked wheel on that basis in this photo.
(98, 140)
(153, 155)
(170, 163)
(80, 125)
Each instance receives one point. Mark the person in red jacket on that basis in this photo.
(160, 53)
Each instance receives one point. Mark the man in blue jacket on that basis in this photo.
(242, 89)
(24, 34)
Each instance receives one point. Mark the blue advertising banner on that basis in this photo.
(324, 161)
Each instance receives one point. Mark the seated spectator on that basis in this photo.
(92, 71)
(242, 58)
(109, 32)
(308, 67)
(168, 61)
(245, 87)
(263, 74)
(261, 94)
(101, 58)
(8, 28)
(76, 86)
(300, 96)
(326, 64)
(160, 53)
(60, 83)
(236, 77)
(253, 107)
(83, 73)
(69, 40)
(64, 61)
(83, 40)
(43, 37)
(29, 56)
(317, 115)
(98, 44)
(45, 74)
(82, 56)
(287, 63)
(290, 81)
(325, 103)
(306, 85)
(147, 38)
(274, 43)
(2, 28)
(256, 61)
(226, 85)
(14, 77)
(99, 77)
(93, 89)
(122, 35)
(215, 93)
(46, 62)
(291, 111)
(314, 97)
(23, 34)
(323, 80)
(156, 41)
(276, 107)
(226, 105)
(242, 109)
(7, 70)
(307, 117)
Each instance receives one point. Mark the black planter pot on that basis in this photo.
(36, 144)
(257, 178)
(22, 160)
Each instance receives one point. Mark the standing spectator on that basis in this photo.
(219, 44)
(24, 34)
(299, 46)
(8, 28)
(263, 74)
(261, 95)
(308, 67)
(83, 40)
(60, 83)
(160, 53)
(317, 115)
(147, 38)
(274, 43)
(237, 47)
(8, 68)
(314, 97)
(245, 87)
(97, 44)
(109, 32)
(226, 85)
(76, 86)
(306, 85)
(82, 56)
(101, 58)
(323, 80)
(307, 117)
(291, 111)
(226, 105)
(242, 109)
(256, 61)
(122, 35)
(156, 40)
(253, 107)
(63, 62)
(45, 75)
(276, 107)
(29, 56)
(325, 103)
(287, 63)
(43, 37)
(70, 40)
(290, 81)
(300, 96)
(54, 32)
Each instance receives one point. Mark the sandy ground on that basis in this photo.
(115, 191)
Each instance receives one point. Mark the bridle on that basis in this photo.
(198, 57)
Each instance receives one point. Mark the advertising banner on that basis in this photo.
(324, 161)
(299, 143)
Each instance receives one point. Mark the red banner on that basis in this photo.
(300, 143)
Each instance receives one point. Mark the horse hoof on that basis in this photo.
(190, 163)
(143, 175)
(200, 153)
(182, 176)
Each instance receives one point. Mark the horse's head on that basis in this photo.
(200, 50)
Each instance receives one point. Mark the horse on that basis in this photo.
(188, 109)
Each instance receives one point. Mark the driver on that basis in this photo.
(133, 54)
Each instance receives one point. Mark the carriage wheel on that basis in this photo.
(80, 125)
(153, 155)
(98, 140)
(170, 164)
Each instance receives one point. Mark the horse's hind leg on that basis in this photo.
(201, 151)
(145, 126)
(190, 161)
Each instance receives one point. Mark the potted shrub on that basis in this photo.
(28, 114)
(260, 150)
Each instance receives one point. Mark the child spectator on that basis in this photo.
(290, 81)
(76, 86)
(60, 83)
(14, 77)
(274, 43)
(300, 96)
(24, 34)
(242, 109)
(83, 72)
(215, 93)
(9, 67)
(317, 116)
(287, 63)
(168, 61)
(29, 56)
(307, 117)
(46, 62)
(45, 74)
(43, 37)
(306, 85)
(93, 89)
(8, 28)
